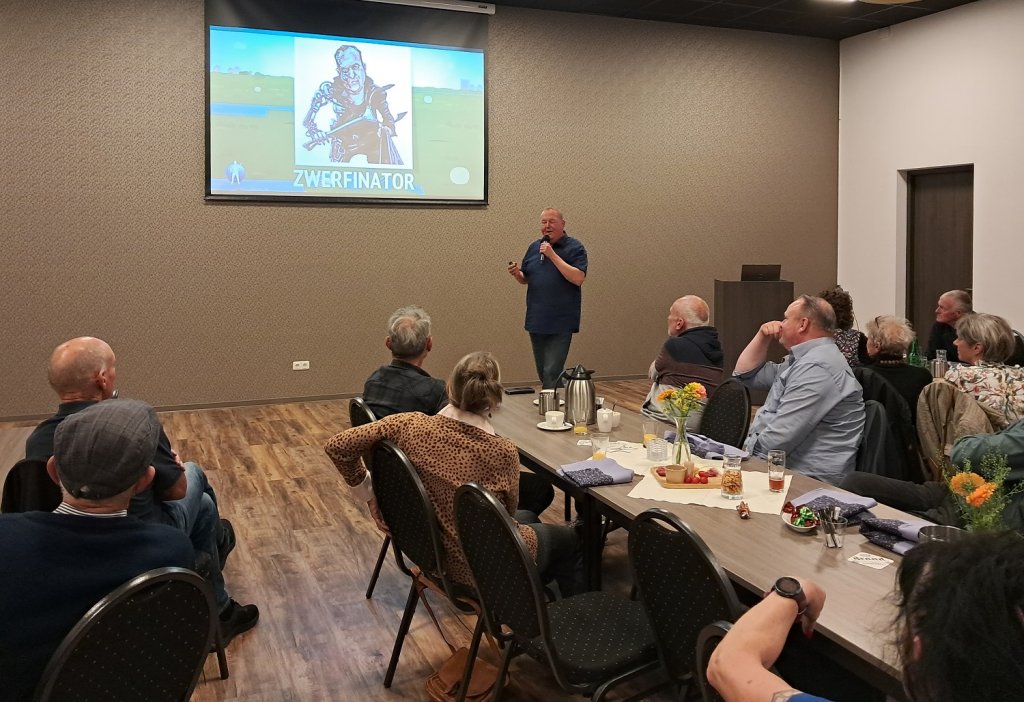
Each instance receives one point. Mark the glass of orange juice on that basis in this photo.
(599, 443)
(650, 431)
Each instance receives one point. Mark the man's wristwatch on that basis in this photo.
(790, 588)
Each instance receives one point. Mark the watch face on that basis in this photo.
(788, 587)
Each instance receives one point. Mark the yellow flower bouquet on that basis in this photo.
(678, 403)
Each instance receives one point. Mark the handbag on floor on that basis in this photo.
(443, 684)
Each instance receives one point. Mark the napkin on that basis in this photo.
(606, 471)
(853, 507)
(893, 534)
(704, 447)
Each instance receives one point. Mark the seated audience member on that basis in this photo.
(454, 447)
(403, 385)
(932, 499)
(888, 343)
(691, 354)
(984, 342)
(959, 628)
(950, 308)
(814, 410)
(57, 565)
(82, 371)
(850, 341)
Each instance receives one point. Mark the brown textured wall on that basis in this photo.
(675, 152)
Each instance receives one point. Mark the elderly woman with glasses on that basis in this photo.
(984, 342)
(888, 343)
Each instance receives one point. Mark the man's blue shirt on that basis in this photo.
(552, 302)
(814, 411)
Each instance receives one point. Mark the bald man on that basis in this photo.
(691, 354)
(553, 271)
(82, 371)
(952, 305)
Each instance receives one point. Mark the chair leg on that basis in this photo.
(474, 646)
(403, 629)
(568, 508)
(376, 569)
(506, 657)
(222, 657)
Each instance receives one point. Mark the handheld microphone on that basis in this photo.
(545, 239)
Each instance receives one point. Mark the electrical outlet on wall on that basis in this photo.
(300, 365)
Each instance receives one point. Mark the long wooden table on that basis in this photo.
(854, 627)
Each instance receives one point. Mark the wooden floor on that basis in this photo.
(304, 555)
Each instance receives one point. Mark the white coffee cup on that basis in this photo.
(605, 420)
(616, 419)
(555, 419)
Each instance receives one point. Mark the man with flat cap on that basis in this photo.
(83, 371)
(54, 566)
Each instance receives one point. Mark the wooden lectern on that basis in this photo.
(741, 307)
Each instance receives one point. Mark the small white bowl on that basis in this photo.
(802, 529)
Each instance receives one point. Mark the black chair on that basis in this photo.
(590, 641)
(146, 640)
(28, 488)
(708, 639)
(902, 456)
(416, 536)
(727, 415)
(682, 588)
(1017, 357)
(358, 415)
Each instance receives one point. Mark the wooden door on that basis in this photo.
(940, 239)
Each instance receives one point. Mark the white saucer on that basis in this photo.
(544, 425)
(560, 403)
(794, 527)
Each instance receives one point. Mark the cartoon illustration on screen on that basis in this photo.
(363, 123)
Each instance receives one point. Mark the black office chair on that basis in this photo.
(708, 639)
(590, 641)
(727, 415)
(681, 586)
(147, 640)
(359, 414)
(28, 488)
(416, 536)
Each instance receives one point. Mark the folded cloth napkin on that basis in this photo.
(606, 471)
(853, 507)
(893, 534)
(704, 447)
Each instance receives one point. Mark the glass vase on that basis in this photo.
(682, 452)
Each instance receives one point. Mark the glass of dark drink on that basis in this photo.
(776, 470)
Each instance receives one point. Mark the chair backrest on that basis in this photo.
(727, 414)
(708, 639)
(876, 453)
(28, 487)
(359, 413)
(504, 572)
(902, 459)
(1017, 357)
(409, 514)
(681, 585)
(146, 640)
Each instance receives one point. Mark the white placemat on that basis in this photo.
(755, 493)
(631, 455)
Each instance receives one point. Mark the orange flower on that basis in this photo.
(665, 394)
(981, 495)
(964, 484)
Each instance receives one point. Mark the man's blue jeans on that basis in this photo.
(549, 354)
(196, 514)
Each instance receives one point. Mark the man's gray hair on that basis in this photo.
(962, 302)
(409, 329)
(819, 312)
